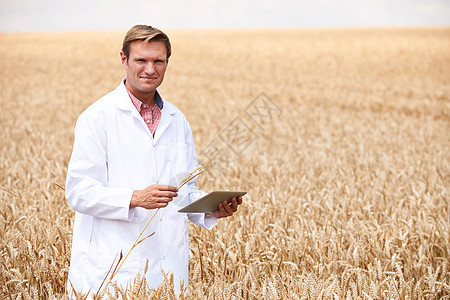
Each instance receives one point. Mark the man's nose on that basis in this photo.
(150, 68)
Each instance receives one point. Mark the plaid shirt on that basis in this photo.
(150, 115)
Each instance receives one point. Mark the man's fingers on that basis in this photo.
(164, 199)
(222, 211)
(234, 204)
(167, 194)
(227, 208)
(163, 187)
(154, 196)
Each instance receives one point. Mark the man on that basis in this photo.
(128, 147)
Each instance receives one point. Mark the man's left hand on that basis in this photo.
(226, 209)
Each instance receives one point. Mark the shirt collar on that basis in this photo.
(137, 103)
(158, 100)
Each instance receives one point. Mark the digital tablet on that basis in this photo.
(210, 202)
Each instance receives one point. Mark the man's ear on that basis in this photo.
(124, 60)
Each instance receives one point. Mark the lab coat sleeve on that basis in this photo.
(201, 219)
(87, 189)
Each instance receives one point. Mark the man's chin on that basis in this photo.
(148, 88)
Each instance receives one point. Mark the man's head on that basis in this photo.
(145, 55)
(145, 33)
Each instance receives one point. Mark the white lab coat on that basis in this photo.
(114, 154)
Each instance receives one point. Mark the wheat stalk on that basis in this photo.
(194, 173)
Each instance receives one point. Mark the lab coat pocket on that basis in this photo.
(176, 157)
(110, 238)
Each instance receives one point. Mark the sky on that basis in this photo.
(76, 15)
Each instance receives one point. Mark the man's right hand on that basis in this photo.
(154, 196)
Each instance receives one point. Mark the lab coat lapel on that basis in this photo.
(125, 103)
(166, 118)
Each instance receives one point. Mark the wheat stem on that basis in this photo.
(194, 173)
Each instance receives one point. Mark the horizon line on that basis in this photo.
(240, 29)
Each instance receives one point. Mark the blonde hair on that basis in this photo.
(145, 33)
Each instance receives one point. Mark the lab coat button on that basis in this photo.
(163, 257)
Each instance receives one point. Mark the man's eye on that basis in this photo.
(159, 63)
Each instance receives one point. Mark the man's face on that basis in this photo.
(145, 67)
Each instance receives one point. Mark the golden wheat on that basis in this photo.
(348, 178)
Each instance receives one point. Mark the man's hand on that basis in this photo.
(226, 208)
(154, 196)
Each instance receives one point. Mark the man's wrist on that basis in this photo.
(134, 202)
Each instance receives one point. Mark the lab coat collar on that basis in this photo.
(124, 103)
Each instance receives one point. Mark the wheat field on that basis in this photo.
(347, 168)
